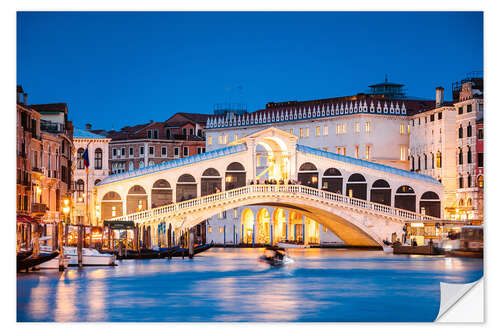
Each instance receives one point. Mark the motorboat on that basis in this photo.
(54, 263)
(287, 245)
(90, 257)
(184, 252)
(275, 257)
(388, 247)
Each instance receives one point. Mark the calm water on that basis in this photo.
(231, 285)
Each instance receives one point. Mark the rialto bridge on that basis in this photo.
(362, 202)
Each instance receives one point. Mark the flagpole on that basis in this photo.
(87, 190)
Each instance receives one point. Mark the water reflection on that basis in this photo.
(231, 285)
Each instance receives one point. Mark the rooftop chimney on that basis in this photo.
(25, 95)
(88, 126)
(439, 96)
(150, 121)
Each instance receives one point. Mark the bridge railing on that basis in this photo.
(269, 189)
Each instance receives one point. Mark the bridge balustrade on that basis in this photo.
(269, 189)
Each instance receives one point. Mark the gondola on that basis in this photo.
(143, 253)
(184, 252)
(23, 255)
(278, 257)
(31, 261)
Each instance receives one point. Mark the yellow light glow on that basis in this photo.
(66, 202)
(229, 179)
(65, 210)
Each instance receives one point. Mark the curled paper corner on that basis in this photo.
(451, 299)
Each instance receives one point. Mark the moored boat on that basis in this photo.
(90, 257)
(33, 261)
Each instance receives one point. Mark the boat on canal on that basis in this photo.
(462, 241)
(33, 261)
(275, 256)
(291, 245)
(184, 252)
(90, 257)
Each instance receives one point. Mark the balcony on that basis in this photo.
(38, 208)
(50, 127)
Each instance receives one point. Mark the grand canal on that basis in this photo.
(231, 285)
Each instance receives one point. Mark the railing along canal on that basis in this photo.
(270, 189)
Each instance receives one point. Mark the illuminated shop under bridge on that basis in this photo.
(362, 202)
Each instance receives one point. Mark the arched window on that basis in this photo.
(418, 163)
(469, 202)
(425, 162)
(469, 130)
(432, 160)
(412, 163)
(98, 159)
(141, 164)
(480, 181)
(79, 158)
(130, 165)
(460, 156)
(151, 163)
(469, 180)
(438, 159)
(97, 181)
(469, 155)
(461, 203)
(460, 132)
(80, 187)
(460, 182)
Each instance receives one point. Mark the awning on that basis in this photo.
(121, 225)
(26, 219)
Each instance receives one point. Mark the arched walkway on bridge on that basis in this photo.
(186, 188)
(279, 224)
(308, 175)
(137, 199)
(430, 204)
(381, 192)
(211, 180)
(356, 186)
(235, 176)
(111, 206)
(405, 198)
(332, 181)
(247, 222)
(263, 226)
(161, 193)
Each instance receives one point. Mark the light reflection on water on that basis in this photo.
(231, 285)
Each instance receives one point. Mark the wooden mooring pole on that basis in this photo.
(61, 246)
(80, 245)
(191, 243)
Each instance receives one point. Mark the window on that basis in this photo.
(80, 185)
(150, 134)
(469, 155)
(98, 159)
(301, 132)
(460, 132)
(191, 131)
(432, 117)
(142, 151)
(155, 134)
(344, 128)
(402, 129)
(123, 151)
(163, 151)
(184, 131)
(356, 128)
(167, 133)
(479, 160)
(469, 130)
(339, 129)
(460, 156)
(440, 115)
(408, 128)
(461, 182)
(356, 151)
(221, 230)
(318, 130)
(469, 180)
(220, 139)
(235, 213)
(225, 139)
(344, 152)
(307, 132)
(131, 151)
(402, 153)
(151, 151)
(339, 149)
(480, 181)
(325, 130)
(480, 134)
(460, 110)
(367, 127)
(438, 159)
(186, 151)
(201, 150)
(176, 151)
(210, 229)
(469, 108)
(367, 151)
(235, 137)
(425, 162)
(209, 140)
(418, 163)
(432, 161)
(79, 157)
(130, 165)
(291, 131)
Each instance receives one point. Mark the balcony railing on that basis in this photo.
(38, 208)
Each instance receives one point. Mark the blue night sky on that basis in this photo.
(118, 69)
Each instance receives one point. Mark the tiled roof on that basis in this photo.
(366, 164)
(83, 134)
(52, 107)
(175, 163)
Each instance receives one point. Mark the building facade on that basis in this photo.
(98, 150)
(144, 145)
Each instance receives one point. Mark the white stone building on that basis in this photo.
(98, 150)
